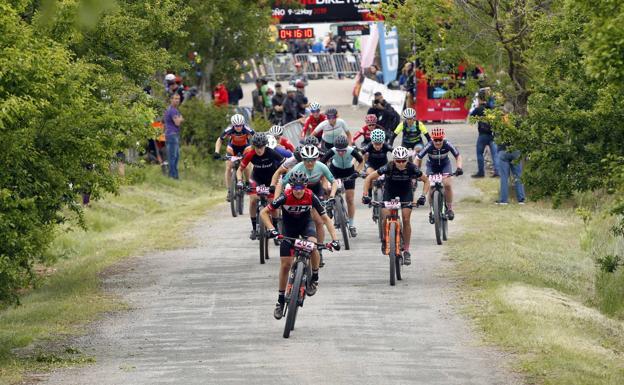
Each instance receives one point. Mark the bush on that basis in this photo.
(610, 292)
(203, 123)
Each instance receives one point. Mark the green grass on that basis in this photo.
(149, 215)
(530, 276)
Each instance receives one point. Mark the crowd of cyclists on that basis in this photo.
(303, 178)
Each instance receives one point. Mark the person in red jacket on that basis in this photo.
(365, 131)
(220, 95)
(315, 118)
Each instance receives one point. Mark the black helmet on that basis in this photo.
(298, 178)
(331, 112)
(311, 141)
(341, 142)
(259, 140)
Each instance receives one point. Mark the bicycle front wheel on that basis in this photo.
(293, 303)
(233, 196)
(392, 254)
(262, 240)
(341, 220)
(437, 216)
(380, 224)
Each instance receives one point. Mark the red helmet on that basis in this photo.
(370, 119)
(299, 83)
(437, 133)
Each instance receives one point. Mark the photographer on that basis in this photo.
(387, 117)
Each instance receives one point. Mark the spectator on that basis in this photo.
(176, 87)
(318, 47)
(509, 165)
(299, 75)
(387, 117)
(173, 119)
(220, 95)
(290, 106)
(268, 101)
(374, 73)
(258, 102)
(302, 101)
(485, 138)
(406, 83)
(235, 94)
(342, 45)
(277, 114)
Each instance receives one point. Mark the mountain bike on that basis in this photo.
(263, 193)
(237, 195)
(299, 277)
(438, 208)
(392, 241)
(339, 210)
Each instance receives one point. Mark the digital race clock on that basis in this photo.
(296, 33)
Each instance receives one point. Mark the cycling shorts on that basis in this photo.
(343, 173)
(236, 150)
(317, 189)
(296, 229)
(405, 195)
(444, 168)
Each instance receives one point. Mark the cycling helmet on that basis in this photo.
(409, 113)
(237, 120)
(378, 136)
(272, 142)
(331, 112)
(370, 119)
(341, 142)
(400, 153)
(298, 179)
(291, 89)
(276, 130)
(310, 152)
(170, 78)
(299, 83)
(437, 133)
(259, 139)
(314, 107)
(311, 140)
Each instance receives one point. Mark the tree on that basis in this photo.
(226, 33)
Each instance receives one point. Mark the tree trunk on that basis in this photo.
(205, 86)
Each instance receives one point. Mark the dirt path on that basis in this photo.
(203, 315)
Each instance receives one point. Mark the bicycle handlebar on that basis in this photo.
(319, 246)
(404, 205)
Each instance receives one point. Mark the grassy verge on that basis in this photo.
(148, 215)
(531, 284)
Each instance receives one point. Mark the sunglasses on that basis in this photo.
(299, 188)
(309, 160)
(372, 124)
(239, 125)
(438, 140)
(315, 111)
(331, 117)
(400, 161)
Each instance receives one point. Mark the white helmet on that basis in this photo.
(237, 120)
(409, 113)
(276, 130)
(272, 141)
(291, 89)
(170, 77)
(315, 107)
(309, 152)
(400, 153)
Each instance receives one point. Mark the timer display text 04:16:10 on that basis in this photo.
(296, 33)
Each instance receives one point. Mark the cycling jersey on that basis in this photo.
(238, 139)
(344, 159)
(295, 210)
(314, 176)
(377, 159)
(398, 183)
(311, 123)
(265, 165)
(284, 142)
(412, 134)
(438, 157)
(329, 132)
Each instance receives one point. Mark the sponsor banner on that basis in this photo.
(354, 30)
(396, 98)
(389, 52)
(322, 11)
(369, 47)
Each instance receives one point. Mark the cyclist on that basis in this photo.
(412, 131)
(439, 163)
(293, 160)
(331, 128)
(376, 153)
(265, 161)
(238, 135)
(278, 132)
(278, 148)
(315, 118)
(399, 174)
(297, 203)
(365, 131)
(342, 156)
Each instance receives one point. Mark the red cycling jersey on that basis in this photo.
(284, 142)
(311, 123)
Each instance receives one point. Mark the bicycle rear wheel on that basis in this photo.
(341, 220)
(445, 228)
(398, 260)
(293, 303)
(240, 202)
(437, 216)
(392, 254)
